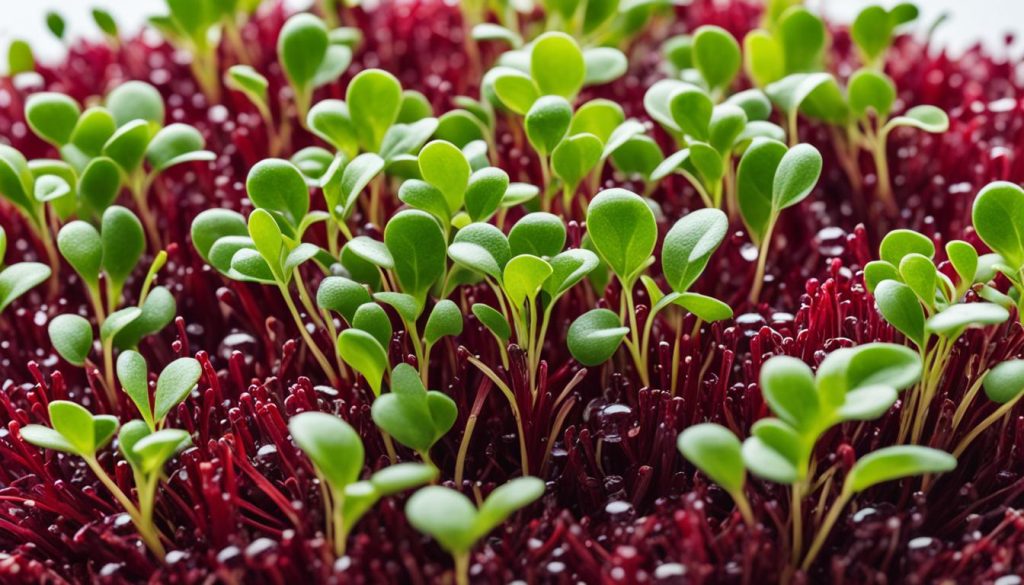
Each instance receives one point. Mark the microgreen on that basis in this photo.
(308, 57)
(72, 337)
(76, 431)
(717, 452)
(56, 24)
(20, 58)
(771, 178)
(19, 278)
(872, 30)
(716, 55)
(337, 453)
(452, 519)
(998, 214)
(412, 415)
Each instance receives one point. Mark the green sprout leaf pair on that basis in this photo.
(309, 58)
(75, 430)
(412, 415)
(337, 454)
(175, 383)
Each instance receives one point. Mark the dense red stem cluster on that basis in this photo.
(242, 504)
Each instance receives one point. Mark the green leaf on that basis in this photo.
(136, 100)
(444, 514)
(790, 92)
(16, 179)
(424, 196)
(331, 444)
(927, 118)
(127, 146)
(133, 374)
(964, 259)
(547, 122)
(100, 183)
(460, 128)
(557, 65)
(52, 116)
(755, 185)
(252, 83)
(764, 461)
(117, 321)
(71, 336)
(494, 321)
(158, 310)
(872, 32)
(341, 295)
(638, 156)
(691, 109)
(47, 438)
(374, 100)
(796, 176)
(871, 90)
(94, 128)
(998, 216)
(177, 144)
(407, 307)
(754, 103)
(727, 124)
(599, 117)
(897, 462)
(364, 353)
(75, 424)
(523, 278)
(515, 89)
(174, 384)
(445, 320)
(444, 166)
(154, 450)
(123, 243)
(623, 229)
(331, 122)
(715, 451)
(80, 245)
(1005, 382)
(336, 60)
(716, 54)
(657, 99)
(482, 248)
(484, 192)
(373, 319)
(17, 279)
(920, 274)
(868, 403)
(573, 159)
(539, 233)
(276, 185)
(595, 336)
(872, 364)
(802, 37)
(951, 321)
(493, 32)
(603, 65)
(788, 387)
(688, 246)
(301, 48)
(708, 309)
(902, 309)
(505, 500)
(764, 61)
(214, 224)
(897, 244)
(19, 58)
(418, 247)
(415, 417)
(568, 269)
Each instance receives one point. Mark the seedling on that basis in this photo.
(927, 308)
(76, 431)
(29, 195)
(192, 27)
(1004, 385)
(56, 24)
(717, 452)
(452, 519)
(19, 58)
(997, 217)
(254, 86)
(175, 383)
(412, 415)
(108, 26)
(873, 30)
(771, 178)
(795, 43)
(336, 452)
(309, 58)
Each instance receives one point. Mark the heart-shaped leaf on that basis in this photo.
(539, 233)
(276, 185)
(123, 243)
(341, 295)
(902, 309)
(136, 100)
(691, 109)
(415, 417)
(444, 166)
(177, 144)
(445, 320)
(80, 245)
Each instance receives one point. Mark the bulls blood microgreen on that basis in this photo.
(872, 30)
(456, 524)
(309, 58)
(771, 178)
(928, 308)
(76, 431)
(794, 42)
(411, 414)
(717, 452)
(998, 215)
(337, 453)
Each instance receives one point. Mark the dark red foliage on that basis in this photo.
(622, 506)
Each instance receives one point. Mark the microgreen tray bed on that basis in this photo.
(574, 292)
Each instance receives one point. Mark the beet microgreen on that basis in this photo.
(771, 178)
(927, 307)
(872, 30)
(76, 431)
(717, 452)
(997, 215)
(452, 519)
(336, 452)
(309, 58)
(19, 278)
(412, 415)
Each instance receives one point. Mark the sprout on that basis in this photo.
(414, 416)
(107, 25)
(928, 308)
(76, 431)
(336, 452)
(872, 30)
(451, 519)
(771, 178)
(19, 58)
(308, 58)
(19, 278)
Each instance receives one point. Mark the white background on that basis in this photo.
(971, 20)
